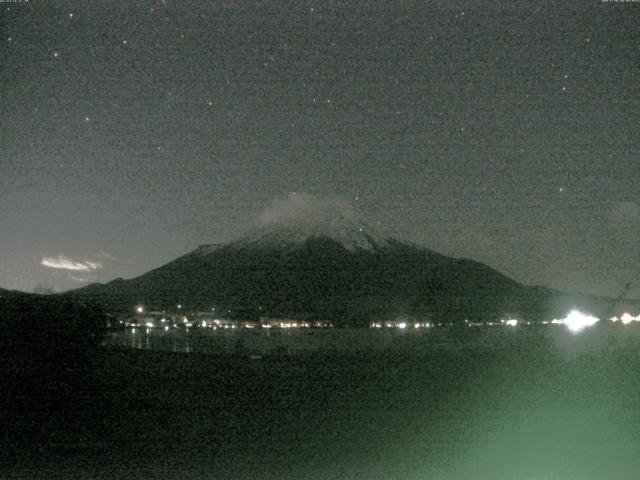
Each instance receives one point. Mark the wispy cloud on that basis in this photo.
(107, 255)
(78, 279)
(66, 263)
(307, 207)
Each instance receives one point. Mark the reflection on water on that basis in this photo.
(290, 341)
(154, 339)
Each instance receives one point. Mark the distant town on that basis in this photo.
(155, 319)
(185, 320)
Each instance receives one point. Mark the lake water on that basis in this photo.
(488, 403)
(369, 340)
(292, 341)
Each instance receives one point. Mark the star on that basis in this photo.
(86, 119)
(71, 15)
(56, 54)
(561, 189)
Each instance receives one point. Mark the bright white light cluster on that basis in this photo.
(626, 318)
(511, 322)
(577, 321)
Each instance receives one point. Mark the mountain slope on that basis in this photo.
(340, 270)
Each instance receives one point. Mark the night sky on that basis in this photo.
(132, 132)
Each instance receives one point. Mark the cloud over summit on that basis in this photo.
(307, 208)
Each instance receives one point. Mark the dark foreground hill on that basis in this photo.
(40, 331)
(345, 273)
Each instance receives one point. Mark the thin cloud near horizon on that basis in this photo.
(63, 262)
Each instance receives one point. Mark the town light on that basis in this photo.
(140, 309)
(627, 318)
(577, 321)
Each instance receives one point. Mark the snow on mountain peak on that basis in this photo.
(352, 234)
(301, 217)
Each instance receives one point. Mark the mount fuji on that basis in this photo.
(335, 268)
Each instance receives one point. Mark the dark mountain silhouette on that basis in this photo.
(49, 327)
(339, 270)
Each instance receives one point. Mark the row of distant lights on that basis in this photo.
(219, 324)
(187, 324)
(626, 319)
(216, 326)
(401, 325)
(575, 321)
